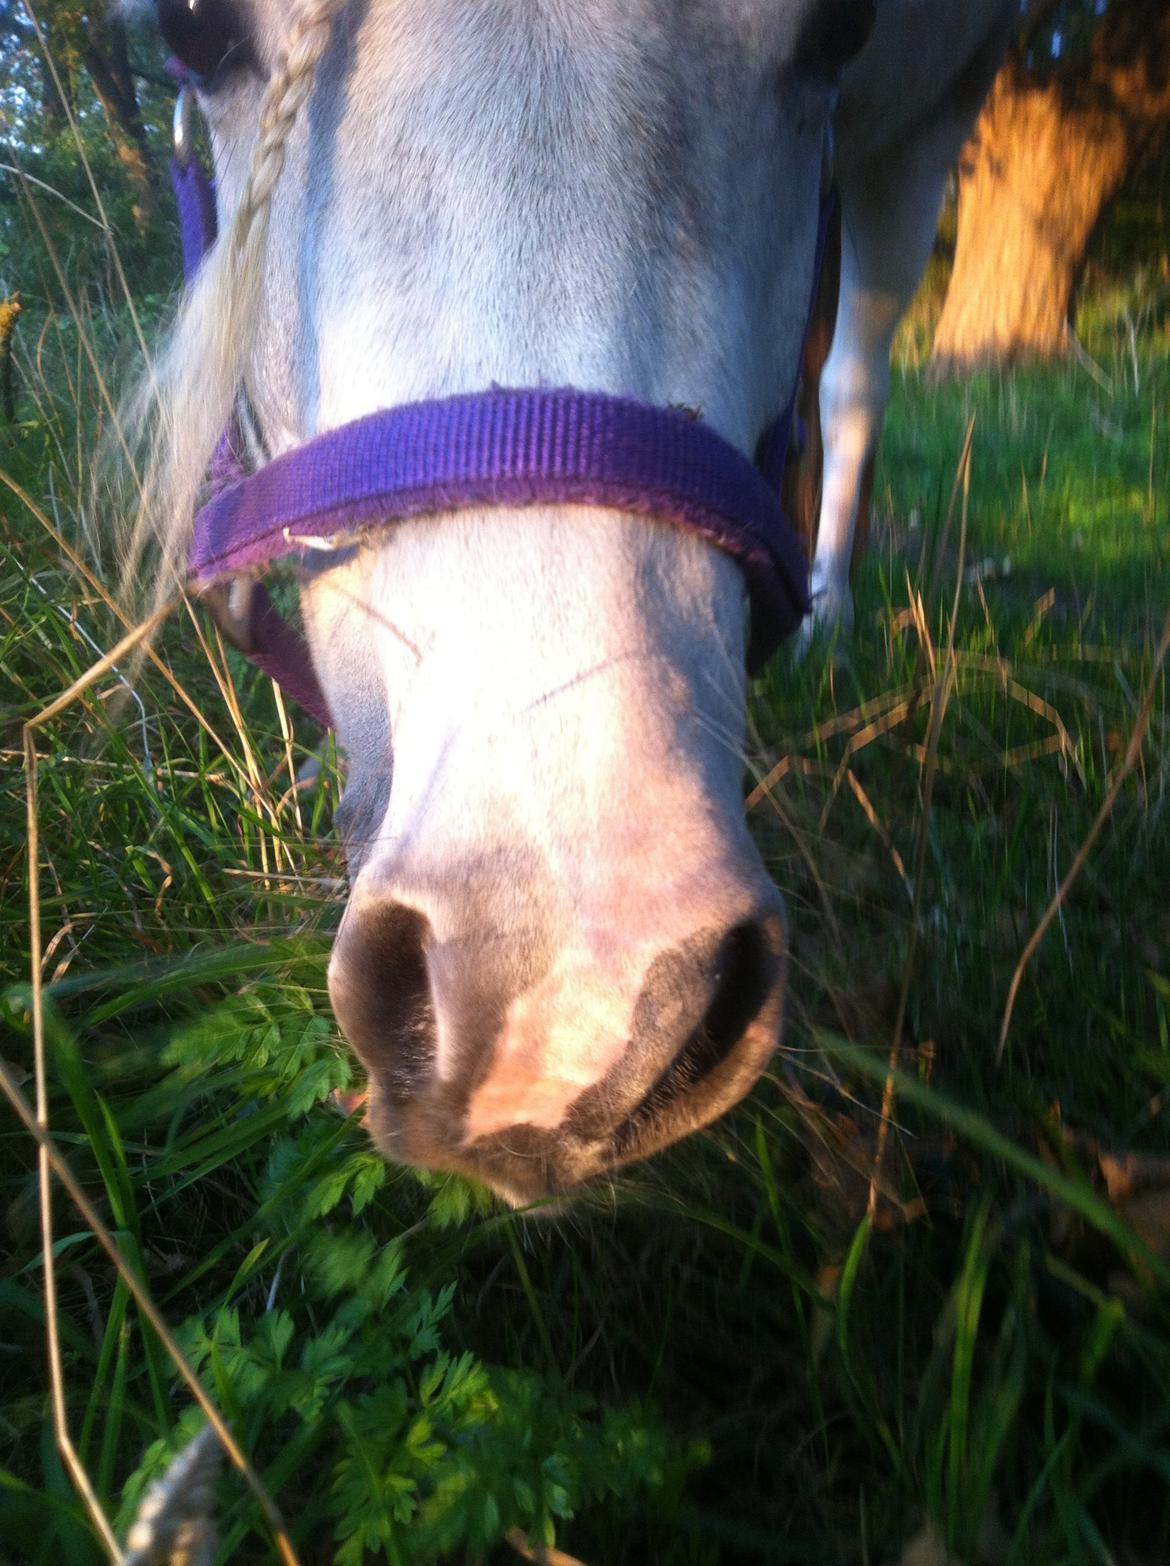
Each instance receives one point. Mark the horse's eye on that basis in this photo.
(206, 35)
(833, 34)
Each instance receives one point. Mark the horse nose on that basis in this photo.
(534, 1064)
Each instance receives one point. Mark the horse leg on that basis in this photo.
(889, 216)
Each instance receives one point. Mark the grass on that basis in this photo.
(750, 1349)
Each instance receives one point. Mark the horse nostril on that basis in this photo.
(745, 972)
(742, 977)
(381, 993)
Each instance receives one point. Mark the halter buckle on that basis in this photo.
(184, 127)
(325, 546)
(230, 606)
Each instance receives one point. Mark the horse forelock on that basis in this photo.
(178, 412)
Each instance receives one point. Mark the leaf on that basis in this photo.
(1136, 1186)
(276, 1333)
(326, 1193)
(340, 1262)
(316, 1081)
(432, 1380)
(367, 1182)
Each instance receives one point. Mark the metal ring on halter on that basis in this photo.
(184, 126)
(231, 604)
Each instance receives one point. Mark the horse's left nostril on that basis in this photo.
(742, 978)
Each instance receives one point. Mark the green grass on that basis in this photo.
(723, 1358)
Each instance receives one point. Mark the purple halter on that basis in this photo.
(500, 447)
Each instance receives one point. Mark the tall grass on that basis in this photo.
(769, 1344)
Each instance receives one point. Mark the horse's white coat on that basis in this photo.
(619, 195)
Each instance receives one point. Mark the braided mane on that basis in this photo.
(185, 400)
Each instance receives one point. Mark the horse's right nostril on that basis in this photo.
(381, 993)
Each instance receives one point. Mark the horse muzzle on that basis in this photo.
(537, 1055)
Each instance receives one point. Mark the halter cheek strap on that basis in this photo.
(502, 447)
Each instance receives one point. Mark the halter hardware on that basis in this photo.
(183, 126)
(230, 604)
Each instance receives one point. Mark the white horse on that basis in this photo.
(561, 949)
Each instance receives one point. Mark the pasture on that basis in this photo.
(752, 1348)
(906, 1304)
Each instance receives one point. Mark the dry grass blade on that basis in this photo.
(40, 1123)
(1043, 709)
(806, 853)
(1130, 759)
(542, 1555)
(259, 793)
(840, 723)
(139, 640)
(872, 731)
(1020, 755)
(294, 789)
(879, 826)
(51, 1162)
(944, 676)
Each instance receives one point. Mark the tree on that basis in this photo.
(1082, 100)
(86, 43)
(106, 55)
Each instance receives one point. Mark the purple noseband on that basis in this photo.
(511, 448)
(502, 447)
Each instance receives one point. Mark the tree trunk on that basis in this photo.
(1046, 158)
(108, 65)
(1035, 183)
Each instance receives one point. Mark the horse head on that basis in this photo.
(561, 950)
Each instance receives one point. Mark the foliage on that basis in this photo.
(338, 1373)
(87, 164)
(434, 1453)
(1054, 37)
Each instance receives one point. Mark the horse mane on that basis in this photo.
(184, 400)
